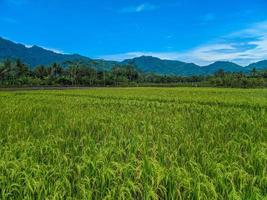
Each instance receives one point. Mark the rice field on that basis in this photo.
(134, 143)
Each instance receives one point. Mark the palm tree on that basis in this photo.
(3, 72)
(55, 70)
(254, 72)
(73, 71)
(40, 72)
(7, 70)
(20, 68)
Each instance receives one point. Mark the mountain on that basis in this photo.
(156, 65)
(226, 66)
(170, 67)
(261, 65)
(35, 55)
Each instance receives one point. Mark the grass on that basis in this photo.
(134, 143)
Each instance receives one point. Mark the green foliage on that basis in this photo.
(135, 143)
(77, 73)
(237, 80)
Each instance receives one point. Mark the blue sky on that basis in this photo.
(189, 30)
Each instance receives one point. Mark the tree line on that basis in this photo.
(75, 73)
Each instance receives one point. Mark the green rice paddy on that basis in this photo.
(134, 143)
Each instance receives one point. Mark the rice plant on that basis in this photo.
(134, 143)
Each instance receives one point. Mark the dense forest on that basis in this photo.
(14, 73)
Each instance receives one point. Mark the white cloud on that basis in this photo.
(46, 48)
(54, 50)
(28, 45)
(139, 8)
(243, 47)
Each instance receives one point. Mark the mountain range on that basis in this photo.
(35, 55)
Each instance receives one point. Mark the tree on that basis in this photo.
(10, 72)
(55, 70)
(5, 69)
(21, 68)
(131, 73)
(220, 73)
(254, 72)
(73, 71)
(40, 72)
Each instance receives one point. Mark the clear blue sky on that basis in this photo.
(200, 31)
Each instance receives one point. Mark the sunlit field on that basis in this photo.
(134, 143)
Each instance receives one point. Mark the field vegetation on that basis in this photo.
(134, 143)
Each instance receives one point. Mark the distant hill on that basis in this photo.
(262, 65)
(156, 65)
(35, 55)
(226, 66)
